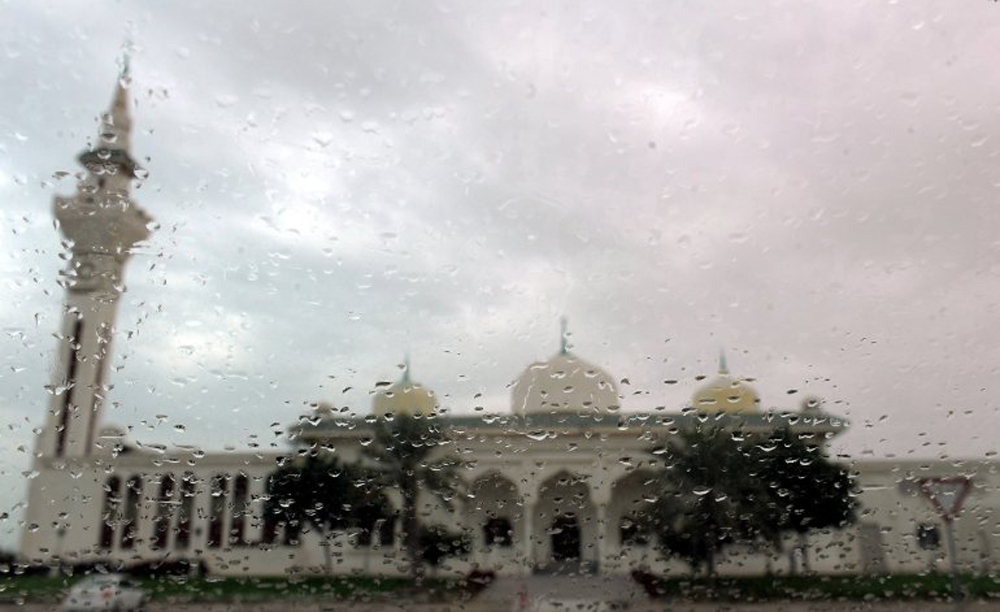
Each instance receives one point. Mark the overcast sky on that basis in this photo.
(811, 186)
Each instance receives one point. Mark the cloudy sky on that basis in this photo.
(811, 186)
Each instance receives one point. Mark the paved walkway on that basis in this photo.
(506, 593)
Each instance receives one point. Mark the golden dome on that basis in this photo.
(725, 394)
(404, 397)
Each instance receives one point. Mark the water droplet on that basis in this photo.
(226, 100)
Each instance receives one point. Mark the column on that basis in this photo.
(601, 495)
(528, 498)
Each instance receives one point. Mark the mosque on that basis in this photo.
(555, 480)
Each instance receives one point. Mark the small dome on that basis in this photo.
(404, 397)
(564, 383)
(725, 394)
(322, 409)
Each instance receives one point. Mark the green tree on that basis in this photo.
(438, 543)
(709, 498)
(324, 494)
(407, 455)
(810, 492)
(721, 486)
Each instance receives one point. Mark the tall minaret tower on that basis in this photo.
(101, 224)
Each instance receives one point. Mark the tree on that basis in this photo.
(325, 494)
(406, 457)
(438, 543)
(724, 486)
(810, 491)
(708, 498)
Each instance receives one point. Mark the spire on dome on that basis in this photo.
(406, 367)
(116, 124)
(563, 336)
(114, 136)
(125, 61)
(723, 366)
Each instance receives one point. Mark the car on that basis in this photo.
(115, 592)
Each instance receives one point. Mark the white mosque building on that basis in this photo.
(554, 479)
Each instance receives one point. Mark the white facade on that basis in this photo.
(564, 469)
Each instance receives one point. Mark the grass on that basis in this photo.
(847, 588)
(217, 589)
(365, 588)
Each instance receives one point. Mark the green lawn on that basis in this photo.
(45, 588)
(765, 588)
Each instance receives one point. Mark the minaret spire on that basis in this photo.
(406, 367)
(723, 366)
(102, 223)
(111, 155)
(563, 336)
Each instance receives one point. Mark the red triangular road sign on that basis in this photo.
(946, 494)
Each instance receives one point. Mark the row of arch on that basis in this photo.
(562, 521)
(495, 510)
(175, 512)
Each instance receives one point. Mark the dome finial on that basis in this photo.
(406, 367)
(115, 129)
(723, 366)
(124, 60)
(563, 340)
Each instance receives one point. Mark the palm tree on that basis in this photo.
(406, 453)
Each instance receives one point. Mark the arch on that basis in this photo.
(277, 530)
(110, 512)
(217, 510)
(629, 538)
(498, 532)
(631, 498)
(164, 510)
(566, 526)
(495, 511)
(238, 510)
(386, 530)
(133, 509)
(185, 511)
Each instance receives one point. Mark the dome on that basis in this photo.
(725, 394)
(564, 383)
(404, 397)
(322, 409)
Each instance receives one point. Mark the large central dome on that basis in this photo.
(564, 383)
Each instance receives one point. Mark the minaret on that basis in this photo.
(101, 224)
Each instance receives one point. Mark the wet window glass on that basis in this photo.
(498, 305)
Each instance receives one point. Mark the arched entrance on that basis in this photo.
(628, 540)
(566, 526)
(495, 516)
(565, 534)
